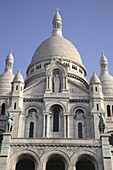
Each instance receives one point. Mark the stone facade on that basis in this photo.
(53, 118)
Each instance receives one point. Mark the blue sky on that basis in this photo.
(88, 24)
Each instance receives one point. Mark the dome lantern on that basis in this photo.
(57, 24)
(103, 64)
(9, 62)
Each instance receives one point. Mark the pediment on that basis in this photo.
(36, 90)
(76, 89)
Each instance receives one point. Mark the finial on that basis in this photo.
(10, 51)
(102, 52)
(19, 71)
(57, 10)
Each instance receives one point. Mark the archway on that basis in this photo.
(25, 163)
(55, 162)
(85, 164)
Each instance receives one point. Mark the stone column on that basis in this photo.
(44, 124)
(48, 126)
(64, 126)
(106, 152)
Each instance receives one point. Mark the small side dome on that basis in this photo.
(107, 84)
(94, 79)
(18, 77)
(5, 82)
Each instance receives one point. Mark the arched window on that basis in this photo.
(112, 109)
(97, 107)
(56, 162)
(16, 87)
(15, 106)
(111, 139)
(25, 163)
(55, 119)
(85, 163)
(56, 110)
(79, 130)
(31, 129)
(108, 111)
(3, 109)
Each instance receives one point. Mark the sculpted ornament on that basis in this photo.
(10, 122)
(102, 123)
(56, 83)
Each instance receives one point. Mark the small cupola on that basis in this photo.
(18, 78)
(94, 79)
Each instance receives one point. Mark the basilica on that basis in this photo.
(55, 119)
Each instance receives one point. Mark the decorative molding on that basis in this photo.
(79, 100)
(72, 146)
(33, 100)
(108, 99)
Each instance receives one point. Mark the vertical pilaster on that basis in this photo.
(21, 126)
(106, 151)
(5, 143)
(96, 127)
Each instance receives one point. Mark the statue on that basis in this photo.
(56, 83)
(10, 122)
(102, 123)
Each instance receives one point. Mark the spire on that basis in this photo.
(103, 64)
(9, 62)
(57, 24)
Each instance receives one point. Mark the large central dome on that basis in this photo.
(57, 46)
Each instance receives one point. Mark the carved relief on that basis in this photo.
(79, 114)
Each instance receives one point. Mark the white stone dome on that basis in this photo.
(5, 82)
(57, 46)
(107, 84)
